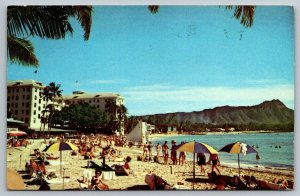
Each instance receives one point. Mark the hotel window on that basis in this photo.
(12, 97)
(39, 116)
(34, 112)
(34, 105)
(40, 100)
(22, 111)
(27, 104)
(23, 104)
(23, 96)
(90, 101)
(28, 97)
(24, 89)
(26, 120)
(35, 97)
(28, 89)
(8, 98)
(17, 90)
(13, 90)
(34, 120)
(27, 112)
(39, 108)
(8, 90)
(16, 105)
(12, 104)
(17, 97)
(16, 112)
(35, 89)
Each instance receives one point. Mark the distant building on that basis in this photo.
(25, 102)
(98, 100)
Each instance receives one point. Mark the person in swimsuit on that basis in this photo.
(201, 161)
(165, 152)
(215, 162)
(97, 183)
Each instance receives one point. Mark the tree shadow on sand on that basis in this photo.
(139, 187)
(198, 180)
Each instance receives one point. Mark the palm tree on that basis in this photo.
(50, 92)
(117, 114)
(50, 22)
(245, 13)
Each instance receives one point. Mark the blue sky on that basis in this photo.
(180, 59)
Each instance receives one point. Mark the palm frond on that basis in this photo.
(21, 51)
(153, 8)
(43, 21)
(84, 16)
(244, 13)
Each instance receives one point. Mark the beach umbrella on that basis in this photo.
(195, 147)
(16, 133)
(60, 146)
(14, 181)
(238, 148)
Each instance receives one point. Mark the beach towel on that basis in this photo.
(57, 181)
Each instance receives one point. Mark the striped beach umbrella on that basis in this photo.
(60, 146)
(238, 148)
(195, 147)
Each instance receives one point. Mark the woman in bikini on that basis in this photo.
(97, 183)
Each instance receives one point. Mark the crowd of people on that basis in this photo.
(181, 158)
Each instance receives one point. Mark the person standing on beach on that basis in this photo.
(158, 148)
(145, 150)
(215, 162)
(174, 153)
(201, 161)
(150, 150)
(165, 152)
(182, 156)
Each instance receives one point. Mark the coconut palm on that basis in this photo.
(117, 114)
(50, 92)
(50, 22)
(243, 13)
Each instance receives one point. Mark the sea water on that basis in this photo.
(276, 150)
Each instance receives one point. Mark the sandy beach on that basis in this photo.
(181, 176)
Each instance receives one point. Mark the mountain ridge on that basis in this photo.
(272, 112)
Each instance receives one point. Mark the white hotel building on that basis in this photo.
(25, 101)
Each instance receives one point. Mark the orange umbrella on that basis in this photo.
(14, 181)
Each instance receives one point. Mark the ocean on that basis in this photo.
(276, 150)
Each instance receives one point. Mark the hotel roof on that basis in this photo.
(15, 83)
(92, 96)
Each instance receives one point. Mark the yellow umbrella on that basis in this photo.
(238, 148)
(195, 147)
(60, 146)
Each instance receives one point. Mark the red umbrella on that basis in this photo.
(16, 133)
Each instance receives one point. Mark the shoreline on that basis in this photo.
(155, 135)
